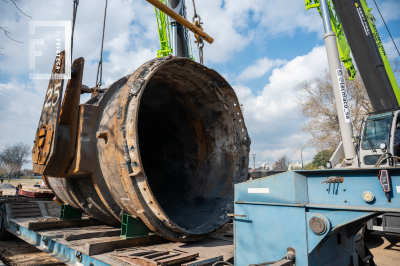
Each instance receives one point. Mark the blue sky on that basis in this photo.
(262, 47)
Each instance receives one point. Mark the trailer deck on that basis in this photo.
(88, 242)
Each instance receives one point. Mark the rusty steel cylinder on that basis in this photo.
(165, 145)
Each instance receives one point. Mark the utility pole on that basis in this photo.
(301, 154)
(254, 158)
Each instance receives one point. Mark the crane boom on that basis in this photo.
(378, 41)
(163, 32)
(342, 44)
(180, 33)
(352, 18)
(382, 93)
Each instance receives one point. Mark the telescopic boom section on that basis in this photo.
(339, 86)
(190, 26)
(367, 50)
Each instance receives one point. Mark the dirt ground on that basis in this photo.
(17, 252)
(384, 246)
(24, 183)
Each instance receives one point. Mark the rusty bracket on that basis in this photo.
(49, 117)
(54, 149)
(43, 141)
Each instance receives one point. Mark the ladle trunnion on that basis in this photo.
(165, 145)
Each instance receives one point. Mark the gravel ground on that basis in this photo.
(17, 252)
(15, 182)
(385, 247)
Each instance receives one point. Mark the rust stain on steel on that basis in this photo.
(50, 110)
(171, 142)
(154, 257)
(67, 133)
(43, 144)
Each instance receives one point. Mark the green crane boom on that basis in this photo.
(163, 32)
(385, 59)
(343, 46)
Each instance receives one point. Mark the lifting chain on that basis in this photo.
(199, 40)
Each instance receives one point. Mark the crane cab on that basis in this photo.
(379, 134)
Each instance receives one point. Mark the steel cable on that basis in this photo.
(75, 9)
(194, 8)
(100, 67)
(385, 26)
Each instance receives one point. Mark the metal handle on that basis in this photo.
(190, 26)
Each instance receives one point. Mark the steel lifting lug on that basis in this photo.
(78, 256)
(45, 240)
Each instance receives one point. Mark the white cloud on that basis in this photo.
(20, 108)
(272, 117)
(261, 66)
(235, 24)
(131, 38)
(390, 10)
(390, 49)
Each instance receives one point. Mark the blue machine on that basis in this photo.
(316, 213)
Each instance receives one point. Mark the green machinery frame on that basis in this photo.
(343, 46)
(164, 33)
(385, 59)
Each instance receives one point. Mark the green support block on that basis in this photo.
(133, 228)
(68, 213)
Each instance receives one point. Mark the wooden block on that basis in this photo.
(95, 234)
(29, 214)
(30, 210)
(38, 226)
(112, 243)
(23, 206)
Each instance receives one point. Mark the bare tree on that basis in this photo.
(4, 29)
(317, 102)
(13, 157)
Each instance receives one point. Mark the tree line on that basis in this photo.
(12, 158)
(317, 103)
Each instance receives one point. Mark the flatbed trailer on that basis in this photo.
(89, 242)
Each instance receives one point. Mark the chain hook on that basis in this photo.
(198, 17)
(199, 39)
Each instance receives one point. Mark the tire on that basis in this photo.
(4, 234)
